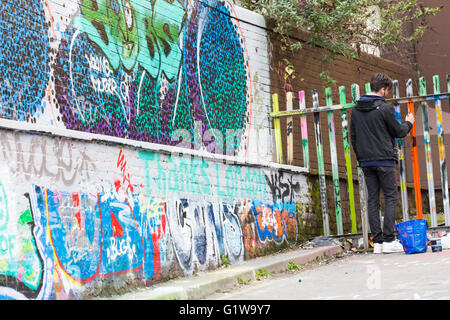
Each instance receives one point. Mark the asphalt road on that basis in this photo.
(361, 276)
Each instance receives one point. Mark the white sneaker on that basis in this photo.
(392, 247)
(377, 248)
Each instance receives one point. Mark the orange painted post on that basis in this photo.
(414, 155)
(401, 157)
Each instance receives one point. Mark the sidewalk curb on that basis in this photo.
(209, 282)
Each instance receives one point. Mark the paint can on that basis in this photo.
(436, 245)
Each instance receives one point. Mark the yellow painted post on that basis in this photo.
(277, 128)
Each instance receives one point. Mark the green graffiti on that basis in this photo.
(135, 32)
(18, 253)
(202, 178)
(305, 153)
(25, 217)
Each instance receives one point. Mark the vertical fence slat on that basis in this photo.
(321, 165)
(428, 158)
(304, 129)
(277, 128)
(441, 144)
(362, 184)
(448, 82)
(367, 87)
(414, 155)
(446, 204)
(334, 163)
(401, 157)
(290, 130)
(348, 159)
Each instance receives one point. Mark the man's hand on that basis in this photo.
(410, 118)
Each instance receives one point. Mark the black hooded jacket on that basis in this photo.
(373, 129)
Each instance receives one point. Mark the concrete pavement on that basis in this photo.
(396, 276)
(207, 283)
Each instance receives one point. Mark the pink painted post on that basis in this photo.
(304, 129)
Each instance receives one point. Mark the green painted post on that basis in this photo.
(362, 185)
(321, 165)
(368, 88)
(348, 159)
(334, 163)
(428, 158)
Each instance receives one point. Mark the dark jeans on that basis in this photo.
(383, 178)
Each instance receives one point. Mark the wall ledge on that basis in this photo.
(145, 146)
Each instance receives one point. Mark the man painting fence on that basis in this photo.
(373, 129)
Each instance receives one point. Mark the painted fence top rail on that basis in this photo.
(429, 97)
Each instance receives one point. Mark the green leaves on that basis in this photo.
(343, 26)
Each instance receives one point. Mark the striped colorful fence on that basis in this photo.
(408, 101)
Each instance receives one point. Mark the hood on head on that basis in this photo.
(366, 102)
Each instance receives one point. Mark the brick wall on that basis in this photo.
(308, 64)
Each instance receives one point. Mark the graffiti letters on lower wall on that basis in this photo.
(77, 218)
(66, 232)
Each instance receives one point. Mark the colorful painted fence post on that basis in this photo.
(277, 128)
(442, 160)
(414, 155)
(362, 184)
(428, 158)
(447, 220)
(367, 87)
(320, 164)
(348, 159)
(289, 130)
(401, 157)
(334, 163)
(304, 129)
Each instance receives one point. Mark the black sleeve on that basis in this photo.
(396, 129)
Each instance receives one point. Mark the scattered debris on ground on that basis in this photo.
(347, 244)
(323, 241)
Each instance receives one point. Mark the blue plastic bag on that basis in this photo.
(413, 235)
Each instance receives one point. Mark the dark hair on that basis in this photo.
(380, 81)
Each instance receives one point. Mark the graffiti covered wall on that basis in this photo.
(167, 72)
(80, 218)
(73, 222)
